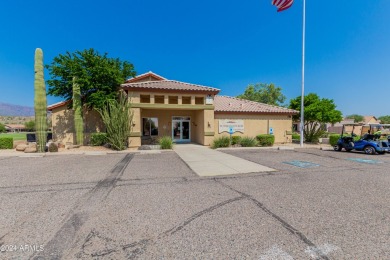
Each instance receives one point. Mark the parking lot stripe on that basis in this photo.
(360, 160)
(275, 253)
(302, 164)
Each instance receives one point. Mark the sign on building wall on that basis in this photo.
(226, 125)
(209, 100)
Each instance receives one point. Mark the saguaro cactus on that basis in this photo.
(78, 116)
(40, 103)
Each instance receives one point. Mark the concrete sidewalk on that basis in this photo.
(207, 162)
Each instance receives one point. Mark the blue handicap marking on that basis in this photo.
(231, 131)
(271, 130)
(364, 160)
(302, 164)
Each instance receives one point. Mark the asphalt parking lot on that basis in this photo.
(317, 205)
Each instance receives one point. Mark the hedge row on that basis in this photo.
(6, 143)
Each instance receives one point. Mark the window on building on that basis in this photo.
(199, 100)
(145, 98)
(173, 99)
(149, 126)
(159, 99)
(186, 100)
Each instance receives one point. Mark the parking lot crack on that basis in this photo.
(77, 216)
(199, 214)
(283, 222)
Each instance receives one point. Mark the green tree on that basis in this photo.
(2, 128)
(356, 118)
(264, 93)
(30, 126)
(98, 76)
(384, 119)
(317, 112)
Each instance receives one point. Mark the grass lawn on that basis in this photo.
(16, 136)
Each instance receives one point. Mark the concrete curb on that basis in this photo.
(324, 148)
(92, 153)
(257, 148)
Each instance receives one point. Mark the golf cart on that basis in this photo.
(378, 132)
(368, 143)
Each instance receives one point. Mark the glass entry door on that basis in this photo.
(181, 131)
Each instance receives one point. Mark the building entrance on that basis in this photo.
(181, 130)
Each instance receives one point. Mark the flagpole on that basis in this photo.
(303, 73)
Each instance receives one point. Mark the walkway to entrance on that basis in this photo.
(207, 162)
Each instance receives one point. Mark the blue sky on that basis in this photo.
(224, 44)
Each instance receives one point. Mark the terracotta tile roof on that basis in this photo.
(169, 85)
(232, 104)
(145, 75)
(15, 126)
(367, 119)
(59, 104)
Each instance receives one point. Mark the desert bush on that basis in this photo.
(247, 141)
(219, 142)
(117, 117)
(165, 142)
(236, 140)
(53, 148)
(98, 139)
(266, 140)
(6, 143)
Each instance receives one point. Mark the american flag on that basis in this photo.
(282, 4)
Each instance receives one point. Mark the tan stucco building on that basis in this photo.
(184, 111)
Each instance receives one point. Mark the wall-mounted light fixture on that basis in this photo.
(193, 123)
(208, 124)
(133, 124)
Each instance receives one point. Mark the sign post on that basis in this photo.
(231, 131)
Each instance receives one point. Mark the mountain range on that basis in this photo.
(15, 110)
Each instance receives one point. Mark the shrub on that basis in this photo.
(165, 142)
(98, 139)
(313, 136)
(219, 142)
(117, 117)
(6, 143)
(53, 148)
(266, 140)
(236, 140)
(2, 128)
(247, 141)
(296, 136)
(333, 139)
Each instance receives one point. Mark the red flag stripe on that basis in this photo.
(286, 6)
(282, 4)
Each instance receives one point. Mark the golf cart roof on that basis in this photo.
(378, 124)
(353, 124)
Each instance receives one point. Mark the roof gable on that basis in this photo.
(148, 76)
(370, 119)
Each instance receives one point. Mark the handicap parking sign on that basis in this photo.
(231, 131)
(271, 130)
